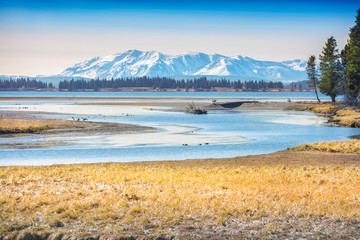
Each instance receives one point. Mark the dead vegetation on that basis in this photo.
(191, 108)
(352, 146)
(173, 198)
(324, 108)
(10, 126)
(339, 115)
(23, 125)
(348, 117)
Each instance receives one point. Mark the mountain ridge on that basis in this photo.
(135, 63)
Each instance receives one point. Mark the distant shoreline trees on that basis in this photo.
(24, 83)
(165, 83)
(152, 83)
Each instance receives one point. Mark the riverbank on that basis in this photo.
(284, 195)
(16, 126)
(21, 127)
(339, 115)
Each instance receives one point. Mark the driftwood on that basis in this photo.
(191, 108)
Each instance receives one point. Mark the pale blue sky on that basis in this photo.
(38, 38)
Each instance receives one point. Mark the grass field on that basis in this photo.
(119, 199)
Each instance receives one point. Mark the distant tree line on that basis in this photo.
(165, 83)
(298, 85)
(24, 83)
(338, 73)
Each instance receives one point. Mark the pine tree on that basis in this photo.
(330, 69)
(352, 58)
(313, 80)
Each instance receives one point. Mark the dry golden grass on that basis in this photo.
(352, 146)
(109, 198)
(348, 117)
(325, 108)
(20, 125)
(11, 125)
(29, 125)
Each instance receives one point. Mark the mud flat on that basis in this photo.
(202, 103)
(21, 127)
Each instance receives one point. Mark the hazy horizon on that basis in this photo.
(45, 38)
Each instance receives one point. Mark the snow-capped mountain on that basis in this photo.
(136, 63)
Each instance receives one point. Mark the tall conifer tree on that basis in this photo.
(352, 58)
(313, 80)
(330, 69)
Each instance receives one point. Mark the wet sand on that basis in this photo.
(60, 128)
(221, 105)
(179, 104)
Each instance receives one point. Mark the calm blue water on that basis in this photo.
(217, 134)
(228, 134)
(258, 95)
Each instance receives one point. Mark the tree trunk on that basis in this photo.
(317, 94)
(333, 98)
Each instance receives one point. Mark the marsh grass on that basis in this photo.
(324, 108)
(10, 125)
(111, 198)
(348, 117)
(351, 146)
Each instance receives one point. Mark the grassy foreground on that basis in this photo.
(152, 199)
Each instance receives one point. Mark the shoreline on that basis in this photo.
(58, 128)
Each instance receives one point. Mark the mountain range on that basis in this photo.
(135, 63)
